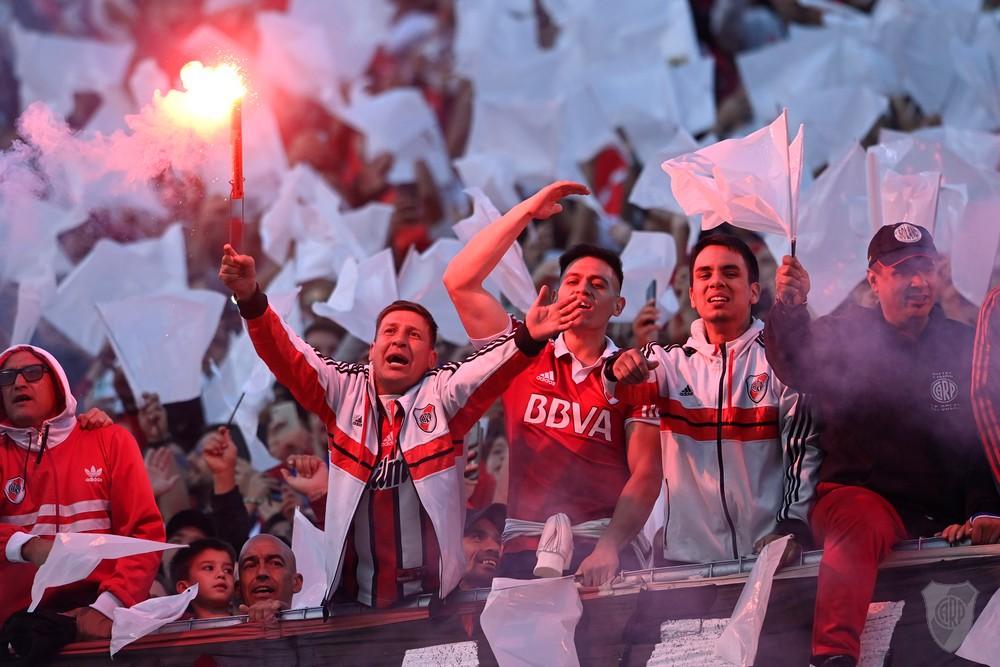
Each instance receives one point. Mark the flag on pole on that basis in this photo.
(751, 182)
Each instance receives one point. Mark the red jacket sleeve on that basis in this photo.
(986, 379)
(133, 514)
(315, 382)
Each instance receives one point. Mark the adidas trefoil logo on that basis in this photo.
(548, 377)
(686, 391)
(93, 474)
(357, 421)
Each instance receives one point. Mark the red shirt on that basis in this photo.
(567, 442)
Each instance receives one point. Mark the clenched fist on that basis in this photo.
(238, 273)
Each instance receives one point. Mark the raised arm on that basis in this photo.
(794, 345)
(316, 382)
(480, 312)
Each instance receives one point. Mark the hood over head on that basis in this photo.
(59, 426)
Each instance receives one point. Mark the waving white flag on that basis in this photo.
(751, 182)
(75, 555)
(132, 623)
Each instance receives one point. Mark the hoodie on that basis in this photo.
(59, 478)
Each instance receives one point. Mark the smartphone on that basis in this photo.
(651, 291)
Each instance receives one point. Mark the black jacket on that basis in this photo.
(896, 412)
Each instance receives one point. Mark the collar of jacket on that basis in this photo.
(699, 339)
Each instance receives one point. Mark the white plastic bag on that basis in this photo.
(139, 620)
(982, 644)
(738, 643)
(532, 622)
(75, 555)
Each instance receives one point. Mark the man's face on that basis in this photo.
(28, 403)
(905, 291)
(286, 432)
(212, 570)
(721, 291)
(324, 341)
(596, 285)
(402, 351)
(481, 544)
(267, 571)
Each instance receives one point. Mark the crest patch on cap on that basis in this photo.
(907, 233)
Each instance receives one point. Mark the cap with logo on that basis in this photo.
(894, 243)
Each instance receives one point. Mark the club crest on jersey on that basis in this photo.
(757, 387)
(13, 489)
(426, 418)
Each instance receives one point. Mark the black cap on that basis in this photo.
(903, 240)
(495, 514)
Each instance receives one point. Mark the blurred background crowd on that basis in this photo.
(395, 107)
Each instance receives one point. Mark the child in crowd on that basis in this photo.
(210, 563)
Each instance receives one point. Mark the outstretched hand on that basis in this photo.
(238, 273)
(544, 319)
(545, 203)
(632, 367)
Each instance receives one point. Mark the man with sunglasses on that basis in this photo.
(58, 477)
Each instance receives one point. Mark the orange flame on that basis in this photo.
(209, 96)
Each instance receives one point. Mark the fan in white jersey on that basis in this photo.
(740, 448)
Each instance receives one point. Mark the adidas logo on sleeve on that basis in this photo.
(686, 391)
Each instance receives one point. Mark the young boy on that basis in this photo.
(210, 563)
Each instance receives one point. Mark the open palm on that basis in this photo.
(545, 320)
(545, 203)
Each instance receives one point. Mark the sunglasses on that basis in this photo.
(32, 373)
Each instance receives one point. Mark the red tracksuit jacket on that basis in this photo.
(62, 479)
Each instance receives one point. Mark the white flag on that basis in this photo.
(180, 325)
(309, 549)
(132, 623)
(751, 182)
(75, 555)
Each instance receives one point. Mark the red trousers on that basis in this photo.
(857, 529)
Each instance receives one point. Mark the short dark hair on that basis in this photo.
(180, 566)
(734, 243)
(581, 250)
(413, 307)
(190, 518)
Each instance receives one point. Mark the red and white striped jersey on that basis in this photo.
(437, 412)
(67, 480)
(392, 552)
